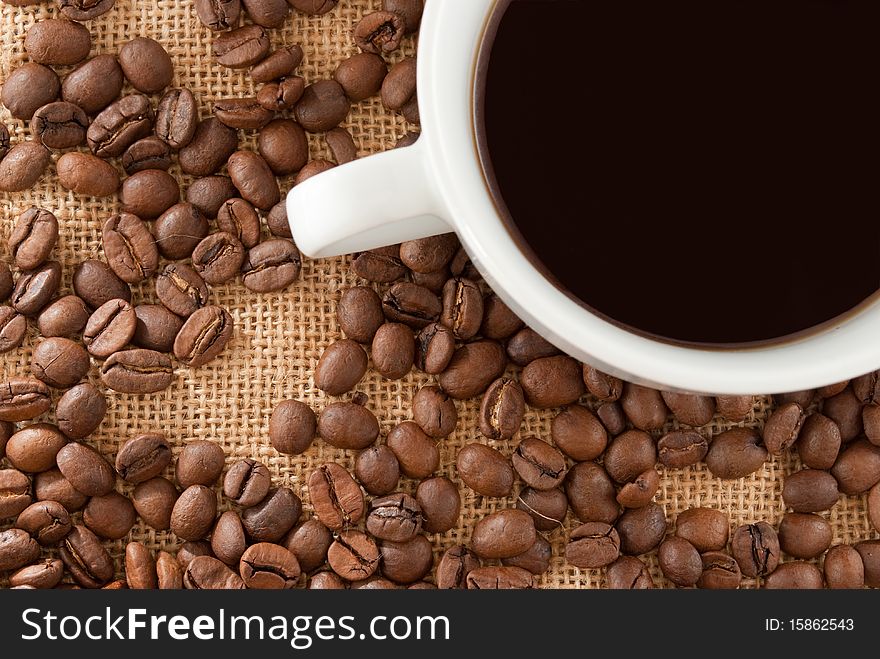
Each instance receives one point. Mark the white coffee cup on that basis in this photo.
(438, 185)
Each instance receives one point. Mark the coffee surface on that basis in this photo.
(701, 171)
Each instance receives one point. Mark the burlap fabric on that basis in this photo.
(280, 336)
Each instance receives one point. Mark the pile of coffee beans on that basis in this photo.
(420, 306)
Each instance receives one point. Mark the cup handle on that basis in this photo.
(379, 200)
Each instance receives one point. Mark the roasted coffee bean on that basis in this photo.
(845, 409)
(353, 556)
(86, 469)
(242, 113)
(736, 453)
(417, 453)
(629, 455)
(110, 516)
(538, 464)
(399, 89)
(640, 491)
(454, 566)
(22, 399)
(322, 106)
(110, 328)
(247, 482)
(52, 486)
(804, 535)
(690, 409)
(13, 327)
(28, 88)
(592, 545)
(612, 417)
(810, 491)
(238, 217)
(379, 32)
(869, 550)
(140, 568)
(208, 573)
(341, 367)
(85, 10)
(844, 568)
(218, 257)
(503, 534)
(682, 448)
(120, 125)
(200, 463)
(273, 517)
(606, 388)
(218, 15)
(406, 562)
(327, 581)
(804, 398)
(499, 578)
(865, 388)
(720, 571)
(146, 65)
(680, 562)
(435, 347)
(137, 371)
(578, 433)
(228, 541)
(292, 427)
(96, 283)
(193, 513)
(462, 307)
(87, 175)
(23, 166)
(59, 125)
(129, 247)
(65, 317)
(336, 497)
(427, 255)
(313, 7)
(473, 367)
(59, 362)
(359, 313)
(181, 289)
(871, 423)
(410, 304)
(85, 558)
(35, 288)
(143, 457)
(269, 566)
(279, 64)
(276, 221)
(33, 237)
(409, 10)
(434, 411)
(191, 550)
(46, 573)
(795, 575)
(552, 382)
(148, 153)
(284, 146)
(440, 502)
(393, 350)
(502, 409)
(179, 230)
(643, 406)
(93, 85)
(309, 542)
(348, 426)
(755, 548)
(33, 448)
(57, 42)
(782, 428)
(6, 283)
(397, 518)
(381, 265)
(209, 149)
(536, 559)
(547, 508)
(591, 493)
(168, 572)
(80, 410)
(6, 431)
(241, 47)
(857, 468)
(280, 96)
(14, 493)
(499, 321)
(176, 118)
(378, 470)
(203, 336)
(705, 528)
(148, 194)
(314, 168)
(641, 529)
(271, 266)
(254, 180)
(341, 145)
(268, 13)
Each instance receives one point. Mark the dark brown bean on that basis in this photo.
(238, 217)
(755, 548)
(417, 453)
(22, 399)
(209, 149)
(156, 327)
(641, 529)
(85, 558)
(736, 453)
(690, 409)
(33, 448)
(33, 238)
(348, 426)
(336, 497)
(720, 571)
(254, 180)
(379, 32)
(181, 289)
(28, 88)
(629, 455)
(857, 468)
(247, 482)
(179, 229)
(279, 64)
(149, 193)
(241, 47)
(794, 575)
(680, 562)
(35, 288)
(705, 528)
(844, 568)
(57, 42)
(640, 491)
(435, 347)
(176, 118)
(87, 175)
(845, 409)
(804, 535)
(341, 367)
(592, 545)
(24, 165)
(810, 491)
(148, 153)
(503, 534)
(440, 502)
(137, 371)
(94, 84)
(292, 427)
(86, 469)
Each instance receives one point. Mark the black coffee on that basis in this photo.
(701, 171)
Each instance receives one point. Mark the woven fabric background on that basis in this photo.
(279, 337)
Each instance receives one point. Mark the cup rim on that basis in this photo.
(449, 48)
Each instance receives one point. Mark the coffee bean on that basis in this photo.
(341, 145)
(241, 47)
(33, 237)
(844, 568)
(641, 529)
(454, 566)
(44, 574)
(279, 64)
(86, 469)
(605, 387)
(682, 448)
(393, 350)
(353, 555)
(810, 491)
(527, 345)
(322, 106)
(57, 42)
(845, 409)
(397, 518)
(6, 283)
(137, 371)
(382, 266)
(734, 408)
(65, 317)
(591, 493)
(499, 578)
(93, 85)
(35, 288)
(874, 507)
(612, 417)
(146, 65)
(348, 426)
(140, 568)
(435, 347)
(273, 517)
(795, 575)
(640, 491)
(200, 463)
(242, 113)
(143, 457)
(865, 388)
(211, 146)
(85, 10)
(22, 399)
(181, 289)
(148, 153)
(228, 541)
(23, 166)
(149, 193)
(755, 548)
(168, 572)
(179, 230)
(284, 146)
(193, 512)
(80, 410)
(736, 453)
(462, 307)
(191, 550)
(313, 7)
(276, 221)
(417, 453)
(85, 558)
(869, 550)
(28, 88)
(720, 571)
(280, 96)
(592, 545)
(238, 217)
(705, 528)
(538, 464)
(154, 500)
(336, 497)
(782, 428)
(6, 431)
(218, 257)
(13, 327)
(96, 283)
(292, 427)
(269, 566)
(473, 367)
(409, 10)
(503, 534)
(59, 125)
(110, 516)
(871, 423)
(377, 470)
(309, 542)
(440, 502)
(408, 561)
(341, 367)
(578, 433)
(399, 89)
(643, 406)
(271, 266)
(536, 559)
(804, 535)
(434, 411)
(110, 328)
(129, 247)
(87, 175)
(33, 448)
(690, 409)
(176, 118)
(208, 573)
(247, 482)
(254, 180)
(629, 455)
(268, 13)
(120, 125)
(59, 362)
(680, 562)
(327, 581)
(857, 468)
(14, 493)
(552, 382)
(359, 313)
(203, 336)
(379, 32)
(499, 321)
(218, 15)
(52, 486)
(547, 508)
